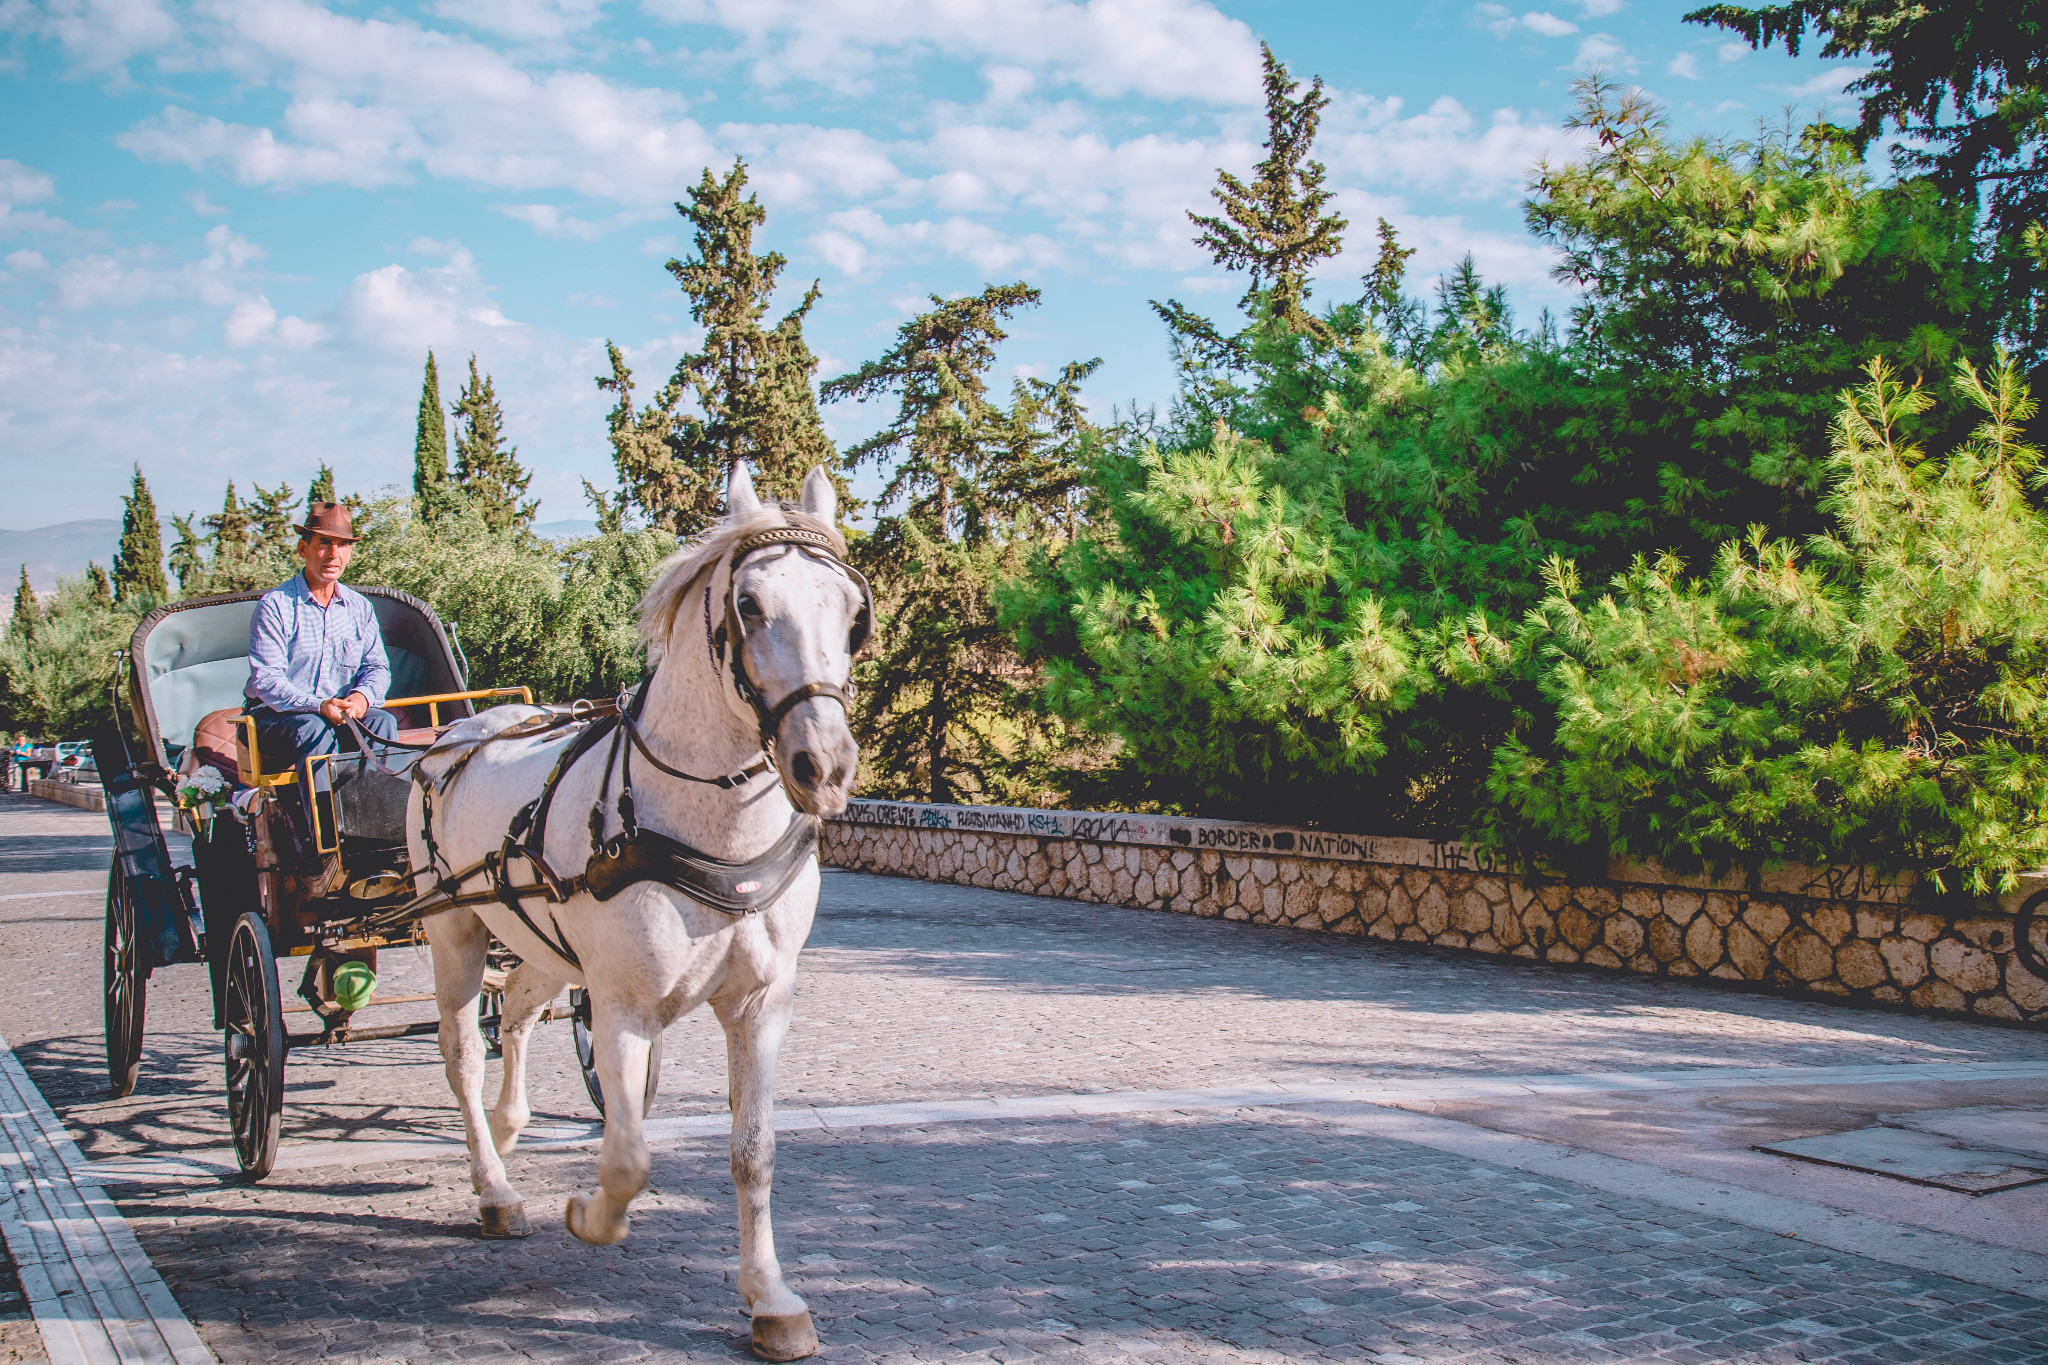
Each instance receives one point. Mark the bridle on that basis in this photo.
(727, 642)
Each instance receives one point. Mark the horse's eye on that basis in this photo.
(748, 606)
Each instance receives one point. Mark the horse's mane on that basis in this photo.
(677, 575)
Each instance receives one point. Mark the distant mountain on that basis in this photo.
(51, 551)
(562, 530)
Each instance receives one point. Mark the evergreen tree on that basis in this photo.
(28, 612)
(939, 441)
(940, 713)
(751, 385)
(487, 469)
(228, 566)
(98, 586)
(270, 521)
(430, 490)
(188, 556)
(139, 560)
(1276, 228)
(321, 489)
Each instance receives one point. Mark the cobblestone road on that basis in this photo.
(1256, 1235)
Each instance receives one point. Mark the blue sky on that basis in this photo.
(230, 229)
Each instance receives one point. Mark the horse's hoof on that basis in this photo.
(576, 1214)
(506, 1221)
(790, 1338)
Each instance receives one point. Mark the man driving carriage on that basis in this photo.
(316, 654)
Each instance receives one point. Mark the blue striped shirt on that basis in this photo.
(301, 653)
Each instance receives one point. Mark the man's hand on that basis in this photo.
(334, 711)
(358, 705)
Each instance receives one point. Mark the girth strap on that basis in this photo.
(735, 888)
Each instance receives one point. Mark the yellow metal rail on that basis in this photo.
(250, 759)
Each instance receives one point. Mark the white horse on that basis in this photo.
(651, 953)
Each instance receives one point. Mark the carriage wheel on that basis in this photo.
(254, 1040)
(127, 986)
(586, 1053)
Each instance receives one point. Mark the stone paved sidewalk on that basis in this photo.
(1255, 1235)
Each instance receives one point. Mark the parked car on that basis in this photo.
(73, 759)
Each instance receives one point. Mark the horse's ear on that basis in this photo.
(740, 502)
(820, 498)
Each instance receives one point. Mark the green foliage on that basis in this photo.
(944, 712)
(751, 385)
(247, 546)
(28, 612)
(430, 487)
(321, 489)
(139, 560)
(1279, 597)
(1876, 696)
(488, 471)
(557, 619)
(57, 662)
(1276, 228)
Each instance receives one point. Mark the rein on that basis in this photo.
(636, 855)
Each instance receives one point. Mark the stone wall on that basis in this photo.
(1831, 932)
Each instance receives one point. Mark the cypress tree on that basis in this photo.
(752, 384)
(139, 560)
(97, 585)
(28, 613)
(430, 447)
(487, 469)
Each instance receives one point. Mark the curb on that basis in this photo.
(96, 1298)
(68, 793)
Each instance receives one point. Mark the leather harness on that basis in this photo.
(637, 855)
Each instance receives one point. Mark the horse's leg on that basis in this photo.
(754, 1027)
(528, 987)
(622, 1051)
(460, 941)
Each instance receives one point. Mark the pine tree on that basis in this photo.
(430, 488)
(28, 612)
(321, 489)
(229, 541)
(751, 385)
(98, 586)
(139, 560)
(188, 556)
(270, 520)
(940, 438)
(487, 469)
(940, 690)
(1277, 227)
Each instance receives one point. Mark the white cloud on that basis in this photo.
(1548, 24)
(1504, 22)
(97, 35)
(21, 185)
(856, 240)
(1445, 147)
(1597, 9)
(550, 221)
(26, 262)
(1829, 82)
(197, 201)
(122, 279)
(402, 311)
(1685, 65)
(1732, 51)
(1165, 49)
(250, 322)
(526, 20)
(1601, 49)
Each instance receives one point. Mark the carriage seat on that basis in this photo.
(218, 742)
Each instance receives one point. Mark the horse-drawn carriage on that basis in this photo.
(307, 862)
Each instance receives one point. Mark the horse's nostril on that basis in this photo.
(804, 769)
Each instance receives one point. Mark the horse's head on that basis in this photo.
(792, 617)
